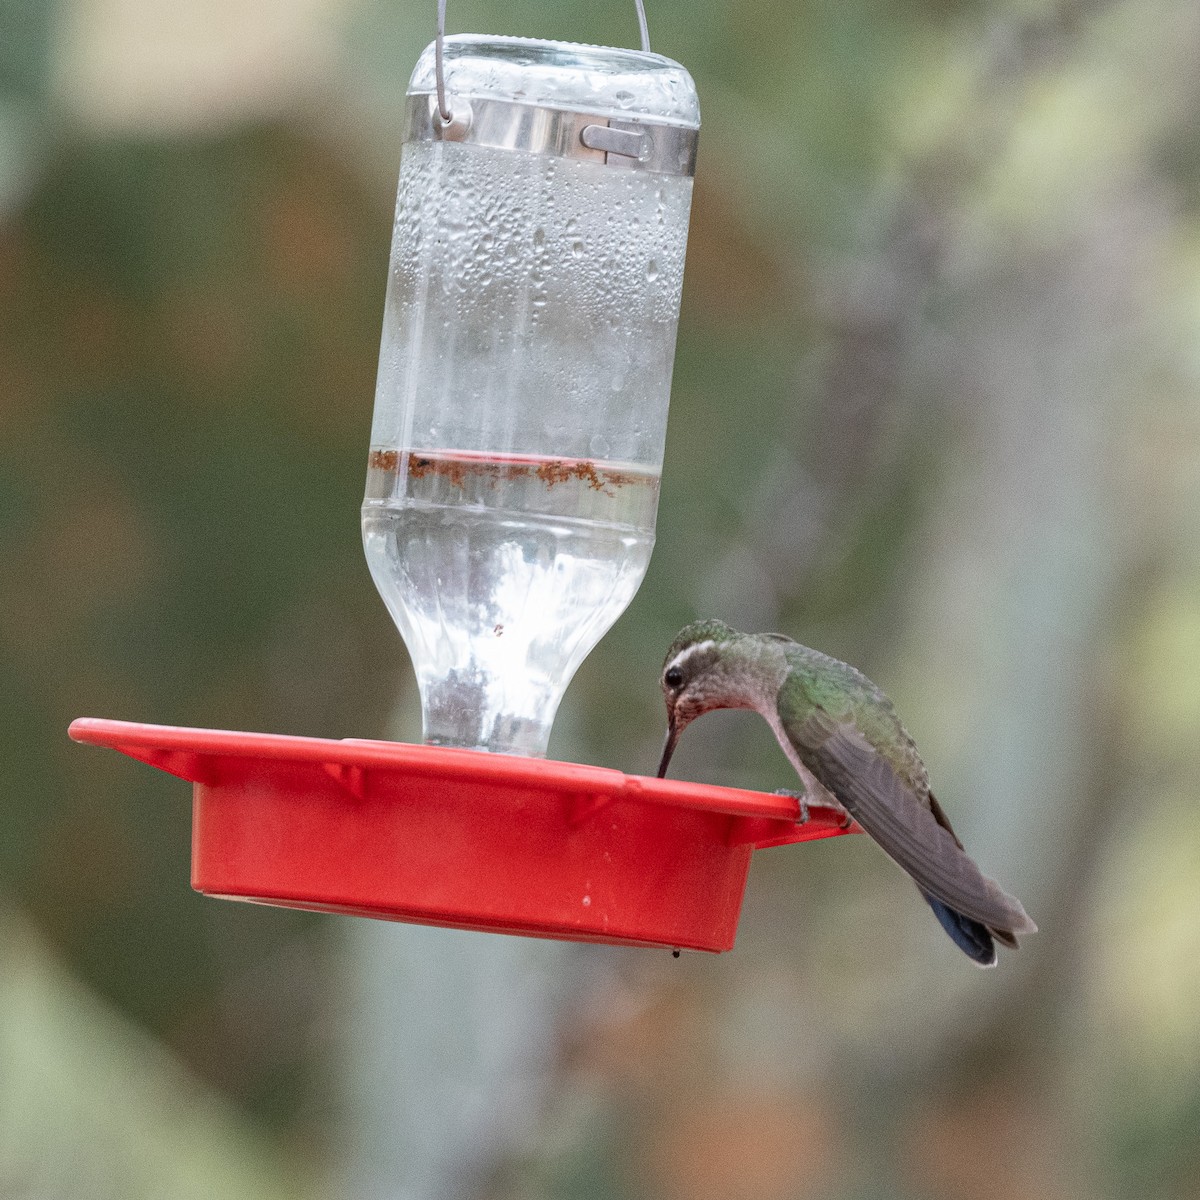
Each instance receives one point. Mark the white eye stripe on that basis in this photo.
(687, 653)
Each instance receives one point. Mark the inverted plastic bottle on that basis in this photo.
(525, 369)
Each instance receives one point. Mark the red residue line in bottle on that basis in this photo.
(383, 460)
(494, 468)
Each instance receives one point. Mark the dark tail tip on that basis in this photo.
(972, 938)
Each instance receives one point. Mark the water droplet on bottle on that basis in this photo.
(624, 99)
(577, 249)
(539, 237)
(651, 271)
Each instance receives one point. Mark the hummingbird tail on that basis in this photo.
(972, 938)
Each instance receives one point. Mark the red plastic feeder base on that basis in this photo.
(463, 838)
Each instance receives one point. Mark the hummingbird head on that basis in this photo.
(708, 666)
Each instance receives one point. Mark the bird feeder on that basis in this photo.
(512, 487)
(440, 836)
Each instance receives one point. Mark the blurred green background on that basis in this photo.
(936, 411)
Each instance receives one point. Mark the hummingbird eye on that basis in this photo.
(673, 677)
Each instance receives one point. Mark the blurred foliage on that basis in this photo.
(91, 1106)
(936, 411)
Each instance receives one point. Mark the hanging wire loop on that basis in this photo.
(643, 29)
(439, 63)
(438, 68)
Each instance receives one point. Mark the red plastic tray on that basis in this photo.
(464, 838)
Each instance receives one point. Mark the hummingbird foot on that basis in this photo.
(801, 798)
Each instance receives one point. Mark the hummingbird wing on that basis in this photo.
(864, 782)
(939, 815)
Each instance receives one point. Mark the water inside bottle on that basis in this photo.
(502, 572)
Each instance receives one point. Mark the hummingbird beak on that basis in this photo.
(673, 731)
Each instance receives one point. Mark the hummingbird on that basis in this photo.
(843, 736)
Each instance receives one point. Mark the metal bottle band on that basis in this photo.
(631, 144)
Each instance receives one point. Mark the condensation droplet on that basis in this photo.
(651, 271)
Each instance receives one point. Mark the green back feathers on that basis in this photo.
(818, 682)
